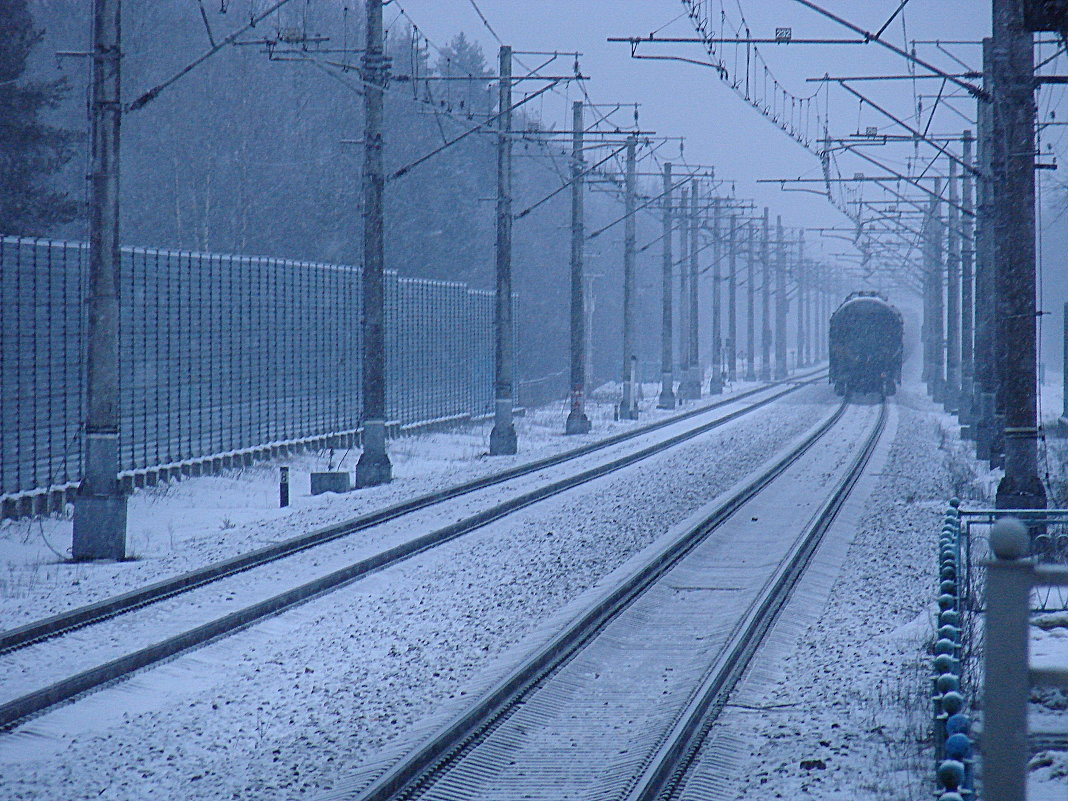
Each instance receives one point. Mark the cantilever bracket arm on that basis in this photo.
(973, 90)
(918, 134)
(152, 93)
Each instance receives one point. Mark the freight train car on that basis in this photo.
(865, 340)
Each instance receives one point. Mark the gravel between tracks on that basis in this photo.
(178, 527)
(290, 707)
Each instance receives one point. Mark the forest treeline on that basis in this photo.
(256, 154)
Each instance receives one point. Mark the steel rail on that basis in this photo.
(16, 711)
(449, 745)
(107, 608)
(668, 766)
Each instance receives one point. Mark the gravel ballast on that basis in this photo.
(288, 707)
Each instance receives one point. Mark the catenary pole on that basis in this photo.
(682, 357)
(802, 299)
(693, 347)
(781, 302)
(985, 368)
(1064, 366)
(715, 383)
(503, 436)
(374, 467)
(1000, 347)
(967, 292)
(750, 304)
(765, 300)
(935, 279)
(577, 421)
(1014, 111)
(628, 409)
(950, 398)
(667, 392)
(100, 503)
(732, 300)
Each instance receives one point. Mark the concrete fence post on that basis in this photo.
(1007, 686)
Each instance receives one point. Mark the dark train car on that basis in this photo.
(866, 345)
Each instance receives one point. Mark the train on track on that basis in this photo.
(866, 345)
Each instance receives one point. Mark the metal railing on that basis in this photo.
(951, 685)
(223, 359)
(1010, 578)
(973, 630)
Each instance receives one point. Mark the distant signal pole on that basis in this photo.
(100, 504)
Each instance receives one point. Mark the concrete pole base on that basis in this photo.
(99, 527)
(577, 423)
(997, 442)
(628, 409)
(715, 384)
(372, 471)
(374, 467)
(1021, 492)
(983, 436)
(503, 441)
(965, 413)
(984, 426)
(689, 390)
(667, 395)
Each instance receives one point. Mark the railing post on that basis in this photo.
(1007, 686)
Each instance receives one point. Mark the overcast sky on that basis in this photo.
(720, 128)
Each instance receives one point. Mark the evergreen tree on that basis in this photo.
(462, 57)
(30, 150)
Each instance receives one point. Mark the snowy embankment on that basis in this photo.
(295, 704)
(177, 527)
(844, 708)
(846, 714)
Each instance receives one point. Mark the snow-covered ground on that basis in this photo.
(292, 706)
(289, 708)
(176, 527)
(844, 713)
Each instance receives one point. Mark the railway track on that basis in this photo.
(616, 703)
(16, 710)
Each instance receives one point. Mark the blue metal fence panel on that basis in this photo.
(221, 354)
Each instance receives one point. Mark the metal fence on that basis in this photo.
(221, 355)
(1012, 582)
